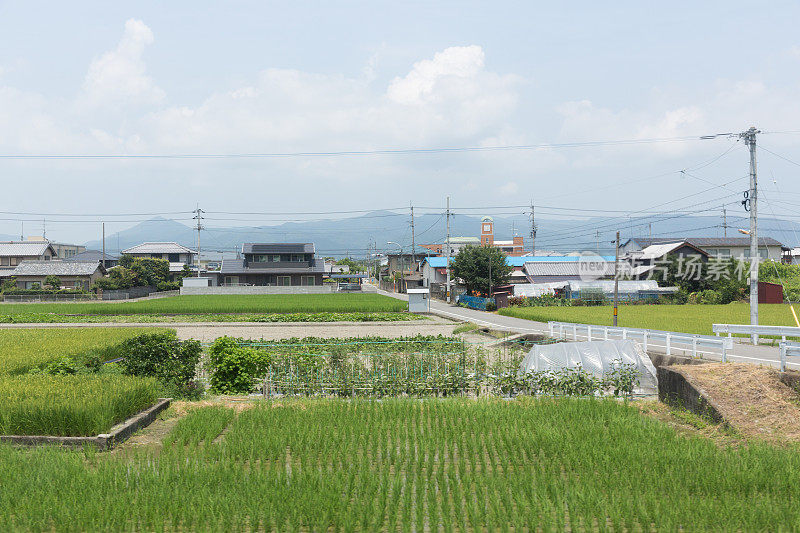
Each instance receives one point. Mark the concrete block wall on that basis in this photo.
(241, 290)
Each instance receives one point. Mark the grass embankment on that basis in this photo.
(683, 318)
(221, 304)
(457, 464)
(71, 406)
(24, 349)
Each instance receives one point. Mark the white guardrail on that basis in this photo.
(747, 329)
(788, 349)
(650, 338)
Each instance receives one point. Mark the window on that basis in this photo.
(276, 259)
(231, 280)
(723, 252)
(47, 258)
(296, 258)
(3, 261)
(14, 261)
(284, 281)
(260, 258)
(308, 280)
(174, 258)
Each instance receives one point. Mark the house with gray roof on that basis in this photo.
(95, 256)
(12, 253)
(273, 264)
(72, 274)
(177, 254)
(737, 247)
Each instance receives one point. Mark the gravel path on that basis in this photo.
(323, 330)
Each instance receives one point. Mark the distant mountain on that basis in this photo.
(355, 235)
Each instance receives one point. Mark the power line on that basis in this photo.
(388, 151)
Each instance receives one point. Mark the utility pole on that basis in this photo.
(616, 279)
(749, 137)
(447, 252)
(413, 241)
(724, 222)
(650, 226)
(490, 274)
(597, 240)
(198, 215)
(533, 230)
(104, 245)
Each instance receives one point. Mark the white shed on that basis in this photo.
(419, 300)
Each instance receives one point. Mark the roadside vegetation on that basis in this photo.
(469, 465)
(683, 318)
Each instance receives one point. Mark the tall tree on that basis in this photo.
(471, 265)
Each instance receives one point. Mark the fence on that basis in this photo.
(35, 298)
(650, 338)
(475, 302)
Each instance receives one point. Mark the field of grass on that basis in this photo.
(683, 318)
(24, 349)
(446, 464)
(220, 304)
(72, 406)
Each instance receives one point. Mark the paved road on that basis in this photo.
(767, 355)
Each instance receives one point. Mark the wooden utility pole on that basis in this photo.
(447, 251)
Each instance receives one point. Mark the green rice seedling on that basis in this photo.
(201, 425)
(24, 349)
(457, 464)
(71, 405)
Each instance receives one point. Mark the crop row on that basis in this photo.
(221, 304)
(326, 316)
(409, 465)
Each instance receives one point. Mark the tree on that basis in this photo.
(8, 284)
(355, 266)
(471, 265)
(52, 282)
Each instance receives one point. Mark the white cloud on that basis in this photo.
(457, 64)
(119, 76)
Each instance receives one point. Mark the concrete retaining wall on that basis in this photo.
(104, 441)
(310, 289)
(675, 389)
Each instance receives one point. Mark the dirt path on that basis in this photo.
(750, 398)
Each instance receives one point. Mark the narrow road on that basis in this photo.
(744, 353)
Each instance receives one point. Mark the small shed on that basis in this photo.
(419, 300)
(770, 293)
(197, 282)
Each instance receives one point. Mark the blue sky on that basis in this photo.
(180, 77)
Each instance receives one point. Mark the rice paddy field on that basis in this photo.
(219, 304)
(408, 465)
(71, 406)
(684, 318)
(24, 349)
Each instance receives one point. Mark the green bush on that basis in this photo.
(234, 368)
(163, 356)
(168, 285)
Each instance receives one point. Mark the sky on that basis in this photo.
(169, 78)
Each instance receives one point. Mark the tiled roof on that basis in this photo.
(25, 248)
(567, 268)
(92, 256)
(278, 248)
(159, 248)
(55, 268)
(703, 242)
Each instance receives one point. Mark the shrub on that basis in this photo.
(708, 297)
(234, 368)
(163, 356)
(52, 282)
(168, 285)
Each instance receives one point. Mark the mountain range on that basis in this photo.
(356, 236)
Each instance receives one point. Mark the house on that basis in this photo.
(567, 268)
(737, 247)
(95, 256)
(597, 289)
(273, 264)
(12, 253)
(72, 274)
(644, 263)
(177, 255)
(62, 250)
(434, 270)
(332, 268)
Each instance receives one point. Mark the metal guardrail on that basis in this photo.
(788, 349)
(747, 329)
(668, 340)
